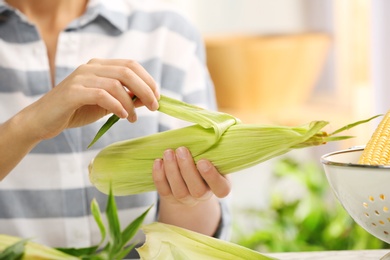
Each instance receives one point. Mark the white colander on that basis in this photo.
(363, 190)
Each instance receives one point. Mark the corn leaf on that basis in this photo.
(14, 251)
(349, 126)
(167, 242)
(113, 225)
(220, 122)
(84, 252)
(12, 247)
(110, 122)
(117, 247)
(95, 210)
(133, 227)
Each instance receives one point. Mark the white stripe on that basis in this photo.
(145, 5)
(73, 169)
(166, 45)
(193, 82)
(79, 232)
(12, 103)
(128, 46)
(24, 56)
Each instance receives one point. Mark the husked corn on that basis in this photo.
(377, 150)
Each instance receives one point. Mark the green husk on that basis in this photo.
(169, 242)
(12, 247)
(221, 138)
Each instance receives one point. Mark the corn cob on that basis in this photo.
(377, 150)
(168, 242)
(221, 138)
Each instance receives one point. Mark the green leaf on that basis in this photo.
(219, 121)
(113, 224)
(14, 251)
(95, 209)
(124, 252)
(110, 122)
(79, 252)
(133, 227)
(349, 126)
(107, 125)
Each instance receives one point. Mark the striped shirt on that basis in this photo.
(47, 196)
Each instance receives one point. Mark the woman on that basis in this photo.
(66, 64)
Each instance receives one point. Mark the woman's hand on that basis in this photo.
(92, 91)
(180, 181)
(189, 192)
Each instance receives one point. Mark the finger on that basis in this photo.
(115, 88)
(131, 81)
(135, 78)
(218, 183)
(197, 187)
(160, 180)
(85, 76)
(135, 66)
(100, 97)
(175, 180)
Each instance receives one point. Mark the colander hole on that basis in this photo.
(371, 198)
(382, 197)
(377, 212)
(373, 224)
(368, 215)
(365, 204)
(381, 222)
(386, 233)
(385, 209)
(388, 219)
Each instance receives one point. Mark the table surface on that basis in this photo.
(334, 255)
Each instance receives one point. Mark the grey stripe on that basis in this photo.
(62, 203)
(78, 139)
(30, 83)
(148, 22)
(14, 30)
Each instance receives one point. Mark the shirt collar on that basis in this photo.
(101, 8)
(4, 6)
(95, 8)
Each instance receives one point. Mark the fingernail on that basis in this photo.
(155, 105)
(157, 165)
(124, 114)
(134, 117)
(157, 94)
(203, 166)
(182, 153)
(169, 155)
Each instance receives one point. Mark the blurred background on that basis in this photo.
(288, 63)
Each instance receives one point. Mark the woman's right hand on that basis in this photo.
(92, 91)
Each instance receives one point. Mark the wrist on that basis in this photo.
(204, 217)
(24, 129)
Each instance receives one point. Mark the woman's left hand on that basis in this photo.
(179, 180)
